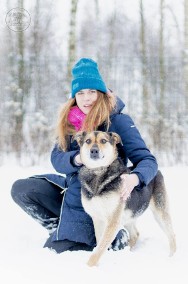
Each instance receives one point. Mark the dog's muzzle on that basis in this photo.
(94, 152)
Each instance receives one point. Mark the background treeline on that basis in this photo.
(144, 61)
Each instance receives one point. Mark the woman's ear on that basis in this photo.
(79, 137)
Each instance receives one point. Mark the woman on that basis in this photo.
(91, 107)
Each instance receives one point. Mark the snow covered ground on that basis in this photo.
(23, 260)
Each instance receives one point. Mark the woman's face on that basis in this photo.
(85, 99)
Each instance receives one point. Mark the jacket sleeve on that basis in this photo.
(63, 162)
(135, 149)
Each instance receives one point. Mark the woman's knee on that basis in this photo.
(18, 188)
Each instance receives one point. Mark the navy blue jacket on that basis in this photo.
(75, 224)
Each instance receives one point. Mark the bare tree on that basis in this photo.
(98, 34)
(161, 59)
(185, 54)
(19, 96)
(72, 38)
(143, 61)
(36, 46)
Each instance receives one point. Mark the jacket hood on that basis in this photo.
(119, 106)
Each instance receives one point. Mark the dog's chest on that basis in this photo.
(101, 207)
(93, 184)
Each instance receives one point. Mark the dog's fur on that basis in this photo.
(101, 185)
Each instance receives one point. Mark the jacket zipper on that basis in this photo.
(61, 212)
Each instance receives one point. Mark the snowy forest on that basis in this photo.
(141, 47)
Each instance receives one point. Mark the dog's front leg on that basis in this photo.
(108, 235)
(99, 225)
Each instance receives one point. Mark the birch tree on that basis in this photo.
(19, 95)
(36, 46)
(97, 11)
(161, 60)
(143, 61)
(185, 54)
(72, 39)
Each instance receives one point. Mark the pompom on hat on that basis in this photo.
(86, 76)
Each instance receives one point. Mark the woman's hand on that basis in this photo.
(128, 184)
(78, 160)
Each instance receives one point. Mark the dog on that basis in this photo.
(101, 185)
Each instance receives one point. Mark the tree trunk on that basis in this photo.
(185, 54)
(72, 39)
(36, 49)
(161, 60)
(98, 38)
(112, 66)
(144, 63)
(19, 98)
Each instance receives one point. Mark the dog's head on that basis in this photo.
(97, 148)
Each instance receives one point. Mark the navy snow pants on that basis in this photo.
(42, 201)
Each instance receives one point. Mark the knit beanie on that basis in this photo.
(86, 76)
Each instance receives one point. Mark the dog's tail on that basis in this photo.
(108, 236)
(160, 207)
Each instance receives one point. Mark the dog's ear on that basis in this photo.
(115, 138)
(79, 137)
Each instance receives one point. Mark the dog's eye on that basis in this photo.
(88, 141)
(103, 141)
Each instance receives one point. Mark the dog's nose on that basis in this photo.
(94, 152)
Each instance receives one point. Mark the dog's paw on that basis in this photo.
(121, 240)
(93, 260)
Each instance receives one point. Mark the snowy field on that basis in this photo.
(23, 260)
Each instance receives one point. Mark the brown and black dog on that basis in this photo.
(101, 185)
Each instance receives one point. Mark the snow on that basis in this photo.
(23, 259)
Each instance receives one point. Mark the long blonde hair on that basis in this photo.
(100, 113)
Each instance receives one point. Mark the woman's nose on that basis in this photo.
(87, 95)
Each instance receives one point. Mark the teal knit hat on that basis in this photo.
(86, 76)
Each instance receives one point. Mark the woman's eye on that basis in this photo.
(103, 141)
(88, 141)
(93, 91)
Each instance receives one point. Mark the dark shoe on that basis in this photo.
(51, 225)
(65, 245)
(121, 240)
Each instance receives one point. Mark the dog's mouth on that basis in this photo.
(93, 160)
(96, 157)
